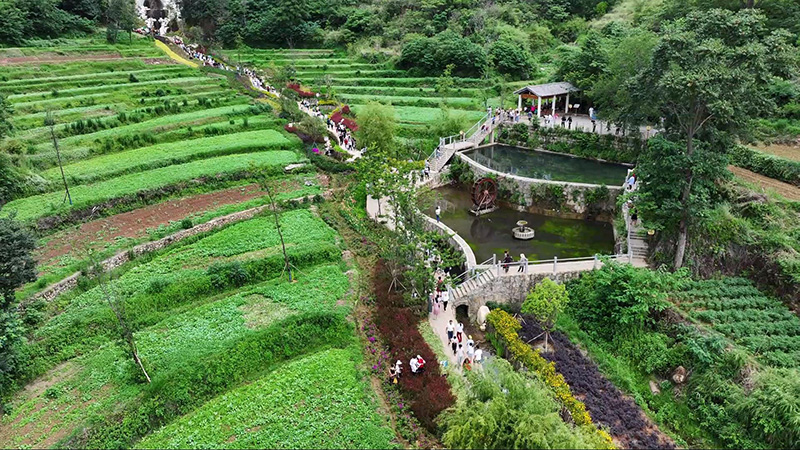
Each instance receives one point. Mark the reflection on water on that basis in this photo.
(548, 166)
(491, 233)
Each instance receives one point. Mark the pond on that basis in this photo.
(548, 166)
(491, 233)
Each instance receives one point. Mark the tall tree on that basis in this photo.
(17, 267)
(121, 16)
(376, 128)
(545, 302)
(707, 78)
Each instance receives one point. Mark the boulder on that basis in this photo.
(679, 376)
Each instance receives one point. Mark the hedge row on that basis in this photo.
(506, 326)
(178, 391)
(768, 165)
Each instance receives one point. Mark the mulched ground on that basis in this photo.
(608, 406)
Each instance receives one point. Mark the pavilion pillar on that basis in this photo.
(566, 105)
(519, 103)
(539, 108)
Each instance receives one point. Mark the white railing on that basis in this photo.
(499, 266)
(468, 136)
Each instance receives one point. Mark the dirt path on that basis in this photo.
(784, 189)
(135, 224)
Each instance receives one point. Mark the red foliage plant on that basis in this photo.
(346, 109)
(296, 87)
(428, 393)
(349, 123)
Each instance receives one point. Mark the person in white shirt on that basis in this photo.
(470, 342)
(478, 355)
(397, 367)
(450, 330)
(460, 330)
(470, 353)
(460, 355)
(438, 213)
(417, 364)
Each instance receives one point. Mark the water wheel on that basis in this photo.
(484, 194)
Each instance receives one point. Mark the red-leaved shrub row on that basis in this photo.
(296, 87)
(348, 122)
(428, 393)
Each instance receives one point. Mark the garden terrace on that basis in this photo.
(607, 405)
(734, 307)
(217, 304)
(135, 185)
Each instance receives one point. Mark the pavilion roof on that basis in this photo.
(548, 89)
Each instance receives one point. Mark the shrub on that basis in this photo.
(186, 223)
(228, 274)
(132, 78)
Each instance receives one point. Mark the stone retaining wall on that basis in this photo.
(510, 290)
(574, 192)
(121, 258)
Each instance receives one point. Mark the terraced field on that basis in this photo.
(126, 125)
(208, 317)
(415, 100)
(149, 148)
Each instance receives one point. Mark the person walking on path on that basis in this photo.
(460, 332)
(523, 263)
(436, 303)
(446, 297)
(398, 368)
(438, 213)
(460, 355)
(454, 344)
(451, 330)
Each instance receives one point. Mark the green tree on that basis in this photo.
(12, 24)
(586, 65)
(511, 58)
(545, 302)
(17, 267)
(120, 16)
(445, 83)
(6, 111)
(504, 409)
(708, 76)
(376, 128)
(313, 128)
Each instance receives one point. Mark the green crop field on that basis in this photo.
(37, 206)
(173, 153)
(333, 397)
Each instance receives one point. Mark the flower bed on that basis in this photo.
(506, 327)
(427, 393)
(607, 404)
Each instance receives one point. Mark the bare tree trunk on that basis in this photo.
(287, 266)
(127, 334)
(683, 227)
(60, 166)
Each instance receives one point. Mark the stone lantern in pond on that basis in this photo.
(522, 231)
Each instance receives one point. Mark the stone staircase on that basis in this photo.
(473, 284)
(638, 243)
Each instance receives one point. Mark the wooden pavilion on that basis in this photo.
(552, 93)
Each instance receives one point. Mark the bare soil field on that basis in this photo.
(784, 189)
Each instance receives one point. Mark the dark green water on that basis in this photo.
(548, 166)
(491, 233)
